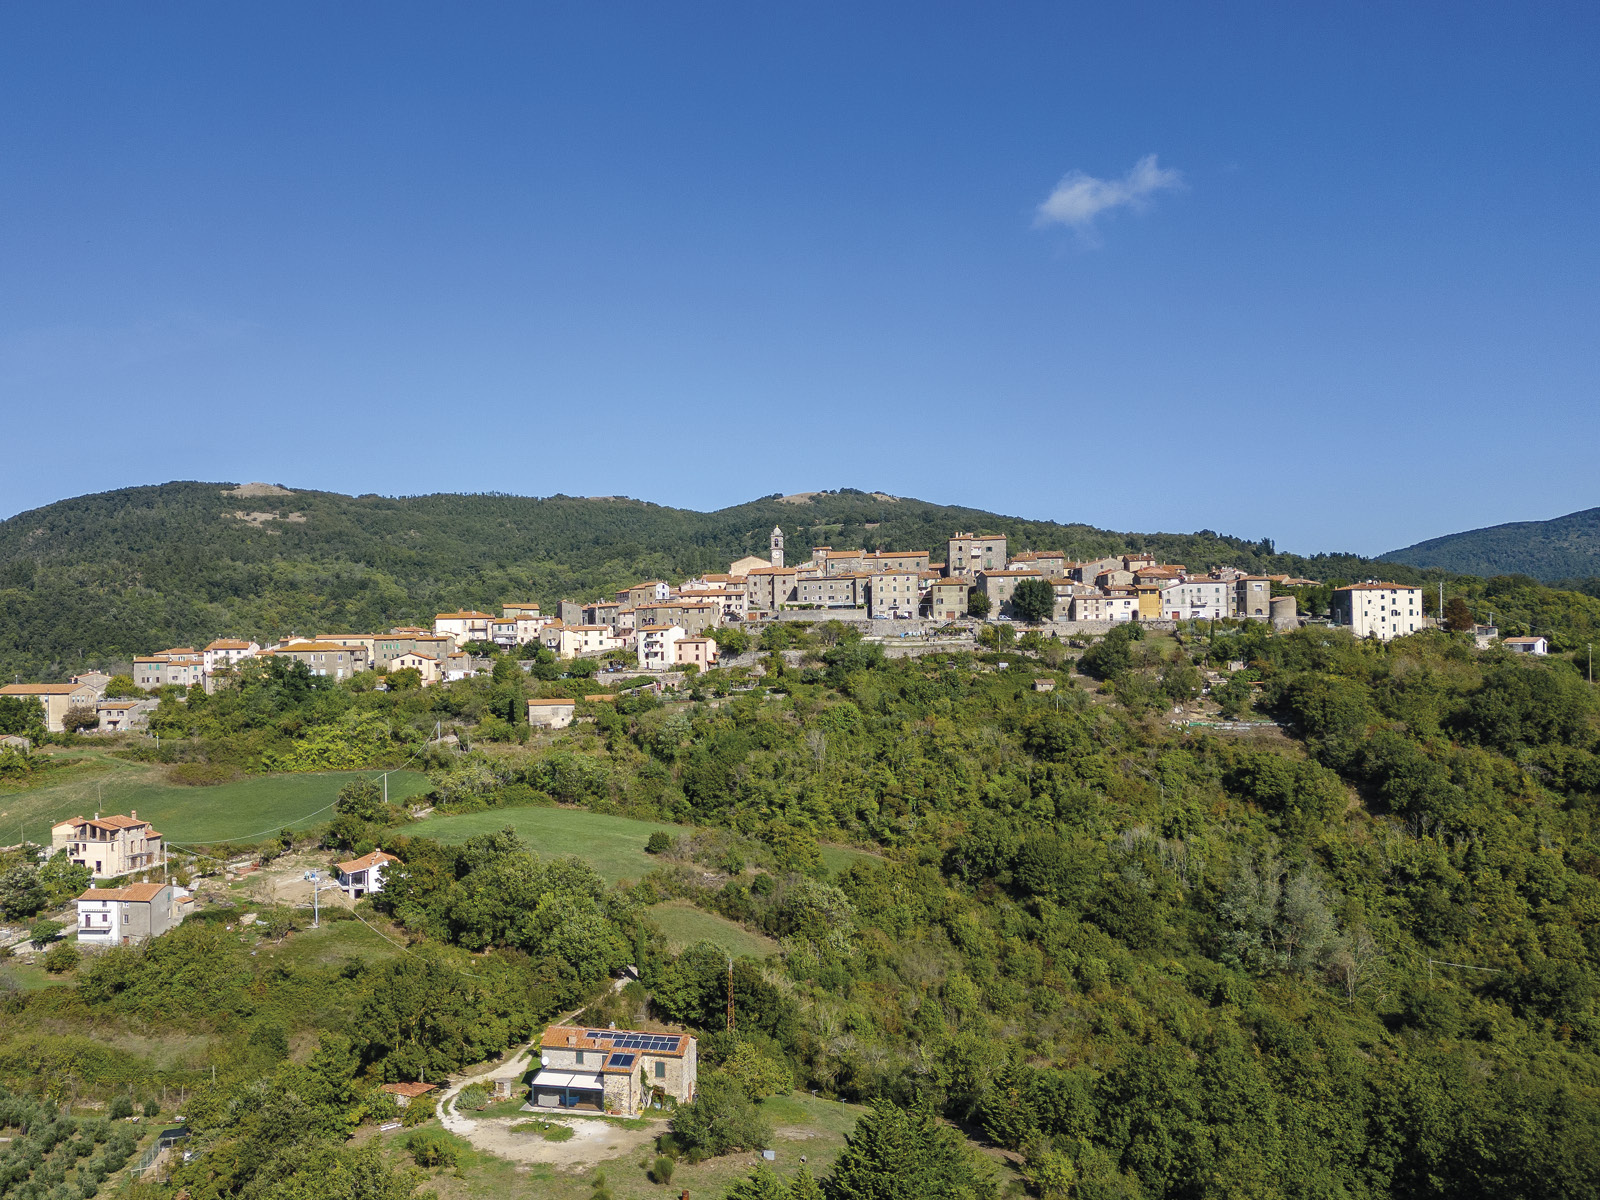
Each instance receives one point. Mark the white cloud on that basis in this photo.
(1078, 199)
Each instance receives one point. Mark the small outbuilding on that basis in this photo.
(405, 1093)
(1527, 645)
(551, 714)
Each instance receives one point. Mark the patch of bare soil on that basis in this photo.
(257, 489)
(593, 1140)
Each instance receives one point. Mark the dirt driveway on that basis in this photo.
(593, 1140)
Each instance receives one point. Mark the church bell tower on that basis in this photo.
(777, 546)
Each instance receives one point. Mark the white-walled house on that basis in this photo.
(658, 646)
(365, 874)
(1379, 610)
(1527, 645)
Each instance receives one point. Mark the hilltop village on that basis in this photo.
(673, 626)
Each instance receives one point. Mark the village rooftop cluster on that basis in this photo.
(670, 627)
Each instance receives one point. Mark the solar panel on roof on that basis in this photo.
(622, 1060)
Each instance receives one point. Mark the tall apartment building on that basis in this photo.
(1380, 610)
(967, 554)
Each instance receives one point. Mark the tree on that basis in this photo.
(44, 932)
(403, 680)
(906, 1154)
(1034, 600)
(80, 720)
(759, 1075)
(1457, 616)
(730, 640)
(721, 1118)
(62, 879)
(122, 687)
(978, 604)
(20, 893)
(21, 715)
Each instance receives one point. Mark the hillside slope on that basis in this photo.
(1563, 548)
(93, 580)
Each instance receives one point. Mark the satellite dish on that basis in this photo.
(544, 1060)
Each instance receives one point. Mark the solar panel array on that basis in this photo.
(656, 1042)
(621, 1060)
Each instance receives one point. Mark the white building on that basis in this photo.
(551, 714)
(227, 652)
(365, 874)
(1527, 645)
(1103, 606)
(658, 646)
(1197, 600)
(129, 915)
(1380, 610)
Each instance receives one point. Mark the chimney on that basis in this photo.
(133, 814)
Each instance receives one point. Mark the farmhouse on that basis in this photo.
(57, 699)
(362, 875)
(613, 1070)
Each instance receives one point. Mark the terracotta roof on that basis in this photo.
(119, 704)
(553, 703)
(1362, 587)
(134, 891)
(40, 689)
(228, 644)
(1521, 641)
(409, 1090)
(367, 860)
(315, 647)
(457, 615)
(994, 574)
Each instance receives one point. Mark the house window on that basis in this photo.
(661, 1070)
(580, 1058)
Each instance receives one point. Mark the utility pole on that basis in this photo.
(730, 995)
(1441, 602)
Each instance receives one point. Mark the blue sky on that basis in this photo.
(1321, 273)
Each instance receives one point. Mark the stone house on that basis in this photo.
(999, 585)
(967, 554)
(947, 598)
(613, 1070)
(120, 716)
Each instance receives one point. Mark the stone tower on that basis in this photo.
(777, 547)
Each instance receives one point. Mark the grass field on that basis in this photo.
(614, 846)
(684, 924)
(245, 810)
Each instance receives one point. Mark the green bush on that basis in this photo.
(431, 1148)
(63, 956)
(121, 1107)
(661, 1171)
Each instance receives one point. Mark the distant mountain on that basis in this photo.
(1566, 548)
(94, 580)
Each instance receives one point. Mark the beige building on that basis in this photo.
(1052, 564)
(1106, 606)
(431, 669)
(647, 592)
(1379, 610)
(696, 616)
(551, 714)
(1196, 600)
(520, 610)
(129, 915)
(613, 1070)
(108, 846)
(574, 641)
(182, 667)
(894, 594)
(771, 588)
(947, 598)
(967, 554)
(462, 627)
(386, 647)
(326, 658)
(58, 699)
(1252, 598)
(739, 568)
(998, 586)
(120, 716)
(831, 591)
(657, 646)
(731, 598)
(695, 651)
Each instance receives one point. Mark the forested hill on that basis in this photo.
(93, 580)
(1564, 548)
